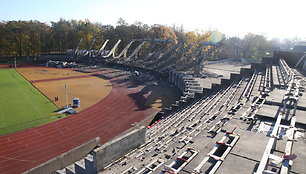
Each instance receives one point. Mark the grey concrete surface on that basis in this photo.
(111, 151)
(65, 159)
(225, 69)
(270, 111)
(236, 164)
(251, 145)
(300, 151)
(276, 95)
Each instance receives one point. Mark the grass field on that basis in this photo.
(21, 105)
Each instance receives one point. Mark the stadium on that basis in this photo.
(154, 110)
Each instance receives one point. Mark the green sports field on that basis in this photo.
(21, 105)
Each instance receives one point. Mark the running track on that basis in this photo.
(108, 118)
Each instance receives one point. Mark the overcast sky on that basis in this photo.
(272, 18)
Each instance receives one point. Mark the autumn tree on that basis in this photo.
(231, 48)
(255, 46)
(162, 32)
(27, 38)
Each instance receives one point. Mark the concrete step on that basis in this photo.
(90, 164)
(168, 109)
(191, 81)
(188, 78)
(80, 167)
(89, 160)
(63, 171)
(189, 94)
(192, 84)
(183, 97)
(193, 91)
(176, 104)
(195, 88)
(183, 101)
(70, 169)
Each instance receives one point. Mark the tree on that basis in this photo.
(122, 22)
(231, 48)
(162, 32)
(289, 43)
(255, 46)
(27, 38)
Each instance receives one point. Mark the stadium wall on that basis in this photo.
(65, 159)
(113, 150)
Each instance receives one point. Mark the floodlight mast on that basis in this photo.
(66, 95)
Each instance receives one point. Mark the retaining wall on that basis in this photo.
(113, 150)
(65, 159)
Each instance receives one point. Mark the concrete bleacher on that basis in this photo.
(204, 132)
(200, 125)
(193, 88)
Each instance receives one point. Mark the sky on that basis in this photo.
(271, 18)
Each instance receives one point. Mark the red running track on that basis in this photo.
(108, 118)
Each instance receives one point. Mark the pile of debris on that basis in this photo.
(61, 64)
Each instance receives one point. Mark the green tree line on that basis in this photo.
(28, 38)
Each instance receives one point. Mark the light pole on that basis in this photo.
(66, 95)
(15, 62)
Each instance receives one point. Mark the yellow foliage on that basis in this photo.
(162, 32)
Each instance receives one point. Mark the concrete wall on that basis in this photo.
(257, 66)
(267, 60)
(118, 147)
(65, 159)
(290, 57)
